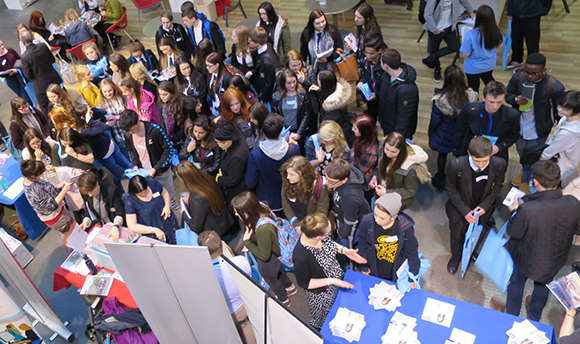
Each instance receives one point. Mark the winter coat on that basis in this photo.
(541, 233)
(304, 115)
(566, 144)
(263, 171)
(525, 8)
(232, 169)
(545, 110)
(334, 108)
(349, 204)
(505, 126)
(407, 249)
(442, 126)
(398, 102)
(78, 32)
(37, 67)
(147, 111)
(405, 179)
(281, 39)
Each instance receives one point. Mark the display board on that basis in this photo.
(273, 323)
(177, 291)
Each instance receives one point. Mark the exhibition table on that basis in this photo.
(487, 325)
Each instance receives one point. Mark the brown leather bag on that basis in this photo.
(347, 68)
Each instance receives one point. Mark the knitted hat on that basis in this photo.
(536, 59)
(224, 132)
(391, 202)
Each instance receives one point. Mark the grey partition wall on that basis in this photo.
(273, 323)
(177, 291)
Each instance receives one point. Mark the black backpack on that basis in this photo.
(422, 4)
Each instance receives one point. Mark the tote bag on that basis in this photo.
(494, 261)
(346, 66)
(471, 239)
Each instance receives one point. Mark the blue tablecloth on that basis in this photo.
(487, 325)
(33, 226)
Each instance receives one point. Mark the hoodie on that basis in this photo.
(398, 102)
(566, 143)
(349, 203)
(407, 244)
(263, 171)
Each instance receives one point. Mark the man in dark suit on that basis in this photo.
(37, 67)
(199, 27)
(540, 238)
(492, 119)
(263, 74)
(473, 183)
(173, 30)
(263, 53)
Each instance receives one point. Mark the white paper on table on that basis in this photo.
(15, 189)
(438, 312)
(461, 337)
(10, 242)
(77, 239)
(402, 267)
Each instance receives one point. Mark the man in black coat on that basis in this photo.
(370, 72)
(491, 119)
(37, 67)
(541, 234)
(232, 170)
(263, 74)
(173, 30)
(526, 16)
(534, 93)
(398, 95)
(473, 183)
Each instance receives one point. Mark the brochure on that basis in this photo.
(438, 312)
(97, 285)
(567, 290)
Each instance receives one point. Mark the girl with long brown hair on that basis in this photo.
(171, 112)
(168, 55)
(200, 147)
(207, 209)
(303, 190)
(219, 77)
(240, 56)
(401, 169)
(294, 63)
(365, 149)
(260, 238)
(119, 66)
(37, 148)
(234, 109)
(140, 100)
(75, 150)
(25, 116)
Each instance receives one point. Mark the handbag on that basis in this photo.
(346, 66)
(471, 239)
(403, 283)
(256, 276)
(494, 260)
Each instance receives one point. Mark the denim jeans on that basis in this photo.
(515, 293)
(117, 163)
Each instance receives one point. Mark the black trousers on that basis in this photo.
(101, 28)
(458, 228)
(528, 29)
(276, 277)
(473, 79)
(434, 43)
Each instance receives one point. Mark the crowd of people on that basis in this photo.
(266, 132)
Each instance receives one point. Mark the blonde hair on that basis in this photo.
(139, 72)
(242, 32)
(81, 72)
(330, 131)
(91, 45)
(70, 15)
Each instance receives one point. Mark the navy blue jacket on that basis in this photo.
(442, 129)
(408, 245)
(263, 174)
(525, 8)
(151, 62)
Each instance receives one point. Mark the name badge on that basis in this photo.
(480, 178)
(3, 62)
(156, 194)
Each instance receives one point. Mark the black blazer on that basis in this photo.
(459, 187)
(151, 61)
(506, 126)
(37, 67)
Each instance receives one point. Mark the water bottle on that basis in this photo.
(90, 265)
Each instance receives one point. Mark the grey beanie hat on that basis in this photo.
(391, 202)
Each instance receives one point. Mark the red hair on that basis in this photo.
(228, 97)
(368, 133)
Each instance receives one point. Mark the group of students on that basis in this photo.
(266, 133)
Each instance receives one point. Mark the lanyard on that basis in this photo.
(489, 124)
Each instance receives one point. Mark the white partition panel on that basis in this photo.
(178, 292)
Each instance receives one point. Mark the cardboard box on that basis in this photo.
(20, 252)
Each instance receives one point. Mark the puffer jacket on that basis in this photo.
(444, 120)
(334, 108)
